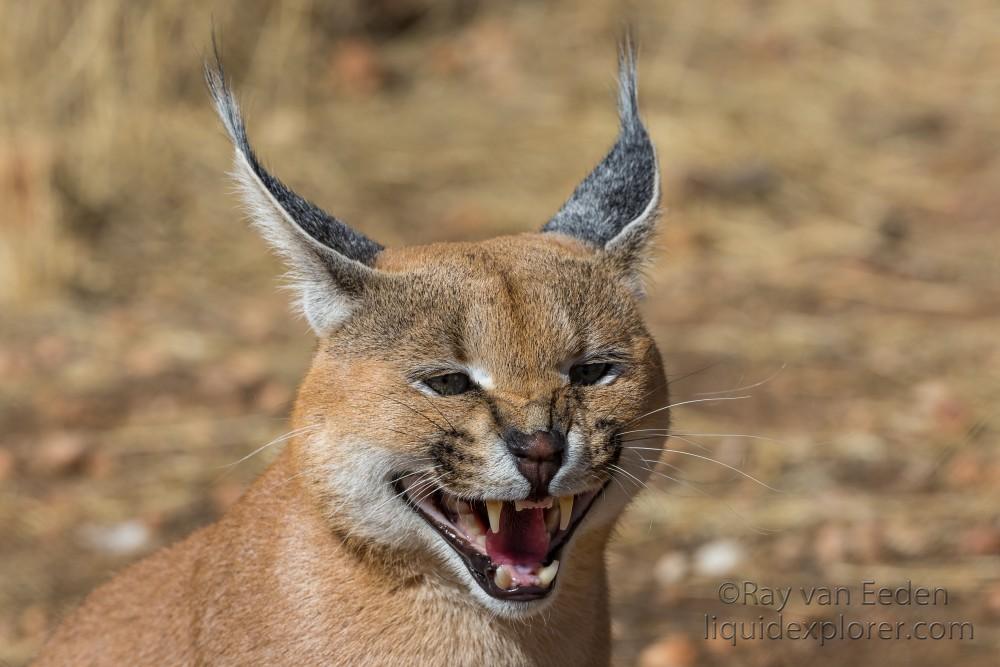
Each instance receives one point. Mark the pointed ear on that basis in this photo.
(330, 263)
(615, 208)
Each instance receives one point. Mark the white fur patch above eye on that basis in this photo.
(482, 379)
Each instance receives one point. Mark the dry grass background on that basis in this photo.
(830, 172)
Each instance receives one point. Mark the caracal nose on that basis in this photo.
(538, 457)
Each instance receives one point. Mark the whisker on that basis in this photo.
(669, 381)
(428, 491)
(696, 400)
(412, 472)
(619, 483)
(407, 434)
(710, 459)
(749, 386)
(423, 478)
(691, 484)
(641, 398)
(694, 487)
(693, 442)
(668, 432)
(280, 438)
(704, 368)
(411, 409)
(661, 437)
(659, 462)
(422, 482)
(639, 482)
(438, 410)
(680, 481)
(660, 431)
(298, 474)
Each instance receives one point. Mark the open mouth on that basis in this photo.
(511, 548)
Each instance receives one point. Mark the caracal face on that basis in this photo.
(466, 405)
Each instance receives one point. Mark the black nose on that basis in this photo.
(538, 456)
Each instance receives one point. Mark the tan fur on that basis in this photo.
(302, 572)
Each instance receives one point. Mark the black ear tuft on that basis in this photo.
(330, 264)
(622, 192)
(321, 227)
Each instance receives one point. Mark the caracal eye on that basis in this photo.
(449, 384)
(585, 374)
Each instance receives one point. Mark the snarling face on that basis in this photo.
(492, 383)
(467, 401)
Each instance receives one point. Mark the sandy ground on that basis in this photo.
(830, 241)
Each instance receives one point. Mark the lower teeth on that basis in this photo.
(548, 573)
(503, 578)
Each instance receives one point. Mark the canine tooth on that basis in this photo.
(493, 508)
(502, 578)
(548, 573)
(565, 511)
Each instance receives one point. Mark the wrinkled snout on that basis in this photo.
(538, 456)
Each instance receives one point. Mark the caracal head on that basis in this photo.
(467, 402)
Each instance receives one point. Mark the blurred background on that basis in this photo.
(830, 241)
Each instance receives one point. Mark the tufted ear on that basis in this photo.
(615, 208)
(329, 262)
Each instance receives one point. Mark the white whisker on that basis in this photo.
(668, 432)
(696, 400)
(749, 386)
(426, 481)
(691, 485)
(280, 438)
(655, 437)
(639, 482)
(710, 459)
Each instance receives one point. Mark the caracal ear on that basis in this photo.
(330, 263)
(615, 208)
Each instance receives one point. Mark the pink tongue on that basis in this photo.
(523, 538)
